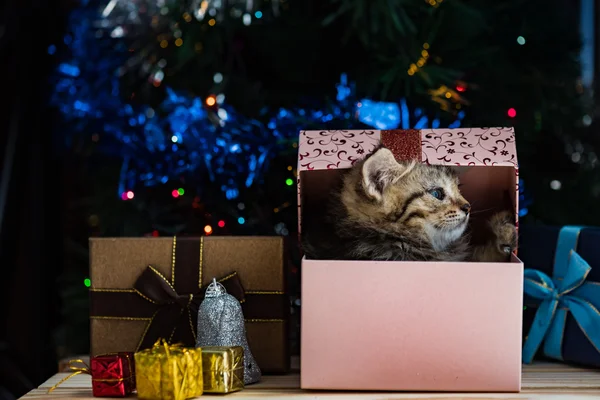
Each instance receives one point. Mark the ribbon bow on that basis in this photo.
(175, 313)
(169, 371)
(566, 291)
(75, 371)
(170, 306)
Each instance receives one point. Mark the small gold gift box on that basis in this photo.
(168, 372)
(222, 369)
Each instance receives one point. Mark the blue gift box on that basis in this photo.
(561, 317)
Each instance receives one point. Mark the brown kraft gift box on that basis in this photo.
(144, 289)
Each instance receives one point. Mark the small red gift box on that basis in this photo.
(113, 375)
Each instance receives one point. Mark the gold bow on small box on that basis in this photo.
(113, 375)
(75, 371)
(223, 369)
(169, 372)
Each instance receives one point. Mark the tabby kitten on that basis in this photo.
(385, 210)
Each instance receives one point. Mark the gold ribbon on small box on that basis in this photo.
(223, 369)
(74, 372)
(85, 369)
(169, 372)
(171, 306)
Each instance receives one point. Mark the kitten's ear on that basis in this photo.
(381, 170)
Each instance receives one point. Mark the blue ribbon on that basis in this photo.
(566, 291)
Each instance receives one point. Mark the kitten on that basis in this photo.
(385, 210)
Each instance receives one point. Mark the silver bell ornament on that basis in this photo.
(221, 323)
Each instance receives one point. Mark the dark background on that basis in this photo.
(31, 205)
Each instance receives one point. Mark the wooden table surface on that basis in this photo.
(540, 382)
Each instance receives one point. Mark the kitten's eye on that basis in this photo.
(437, 193)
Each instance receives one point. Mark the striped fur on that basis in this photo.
(385, 210)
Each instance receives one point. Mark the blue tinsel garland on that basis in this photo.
(182, 135)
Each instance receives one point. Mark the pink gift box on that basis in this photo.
(412, 326)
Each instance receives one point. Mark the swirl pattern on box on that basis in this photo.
(469, 146)
(335, 149)
(338, 149)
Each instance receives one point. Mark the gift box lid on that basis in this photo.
(251, 268)
(321, 154)
(460, 146)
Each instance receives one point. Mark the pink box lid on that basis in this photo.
(460, 146)
(337, 149)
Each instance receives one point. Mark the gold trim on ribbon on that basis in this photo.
(150, 320)
(264, 320)
(191, 298)
(584, 332)
(263, 292)
(201, 266)
(552, 313)
(227, 277)
(163, 277)
(174, 328)
(143, 296)
(121, 318)
(578, 283)
(540, 284)
(574, 248)
(226, 369)
(191, 324)
(563, 334)
(173, 248)
(76, 371)
(112, 380)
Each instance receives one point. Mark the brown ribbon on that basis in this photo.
(172, 307)
(404, 144)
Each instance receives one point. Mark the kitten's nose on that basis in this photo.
(466, 207)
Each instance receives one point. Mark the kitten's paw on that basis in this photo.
(505, 232)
